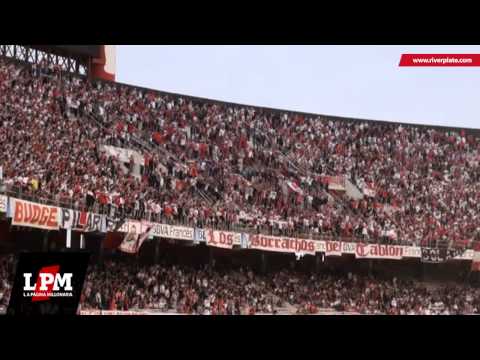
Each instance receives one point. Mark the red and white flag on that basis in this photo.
(294, 187)
(132, 241)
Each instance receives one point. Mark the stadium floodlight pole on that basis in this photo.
(69, 238)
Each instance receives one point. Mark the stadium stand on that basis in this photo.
(125, 286)
(211, 291)
(228, 167)
(123, 151)
(6, 280)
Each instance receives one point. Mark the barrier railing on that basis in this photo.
(16, 192)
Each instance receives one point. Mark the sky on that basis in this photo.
(362, 82)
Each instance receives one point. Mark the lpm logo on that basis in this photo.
(48, 283)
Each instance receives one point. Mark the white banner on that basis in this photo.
(159, 230)
(223, 239)
(377, 251)
(349, 248)
(81, 220)
(412, 251)
(336, 248)
(282, 244)
(3, 203)
(320, 246)
(174, 232)
(333, 248)
(124, 155)
(29, 214)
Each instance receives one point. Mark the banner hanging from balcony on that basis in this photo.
(282, 244)
(223, 239)
(294, 187)
(29, 214)
(81, 220)
(435, 255)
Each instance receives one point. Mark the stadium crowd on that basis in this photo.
(207, 290)
(211, 164)
(6, 280)
(120, 285)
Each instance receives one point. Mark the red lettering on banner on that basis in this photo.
(28, 213)
(303, 245)
(225, 240)
(44, 218)
(360, 250)
(399, 251)
(52, 220)
(379, 251)
(222, 239)
(383, 250)
(36, 214)
(18, 217)
(211, 237)
(288, 245)
(333, 248)
(262, 241)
